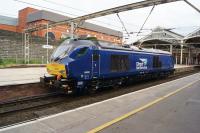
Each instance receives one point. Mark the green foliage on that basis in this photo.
(36, 61)
(91, 38)
(7, 61)
(13, 62)
(1, 61)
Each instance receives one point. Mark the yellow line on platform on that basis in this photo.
(97, 129)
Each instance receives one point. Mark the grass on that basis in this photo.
(8, 62)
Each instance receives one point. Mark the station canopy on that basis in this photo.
(160, 37)
(193, 38)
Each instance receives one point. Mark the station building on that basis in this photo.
(30, 17)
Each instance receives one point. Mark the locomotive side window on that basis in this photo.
(82, 52)
(156, 62)
(119, 63)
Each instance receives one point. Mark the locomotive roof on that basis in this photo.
(108, 45)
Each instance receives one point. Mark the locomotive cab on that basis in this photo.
(70, 63)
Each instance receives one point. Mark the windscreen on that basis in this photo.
(62, 50)
(67, 47)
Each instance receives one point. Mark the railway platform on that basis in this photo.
(169, 107)
(14, 76)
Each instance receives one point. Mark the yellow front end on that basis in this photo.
(56, 69)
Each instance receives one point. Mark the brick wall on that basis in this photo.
(8, 27)
(60, 29)
(22, 18)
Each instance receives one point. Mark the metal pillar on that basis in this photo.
(189, 56)
(181, 57)
(171, 48)
(196, 61)
(186, 61)
(26, 47)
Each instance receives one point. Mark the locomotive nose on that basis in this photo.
(56, 69)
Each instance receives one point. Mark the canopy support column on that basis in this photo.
(181, 57)
(171, 49)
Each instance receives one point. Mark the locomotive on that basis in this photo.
(79, 65)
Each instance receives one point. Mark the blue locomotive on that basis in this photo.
(79, 65)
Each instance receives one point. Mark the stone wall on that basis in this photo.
(12, 47)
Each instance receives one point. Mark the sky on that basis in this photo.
(179, 16)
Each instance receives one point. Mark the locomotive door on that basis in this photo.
(95, 64)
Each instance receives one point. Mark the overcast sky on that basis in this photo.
(177, 15)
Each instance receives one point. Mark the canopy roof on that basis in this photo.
(161, 36)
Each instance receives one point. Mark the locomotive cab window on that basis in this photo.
(82, 52)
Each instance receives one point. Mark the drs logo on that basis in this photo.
(141, 64)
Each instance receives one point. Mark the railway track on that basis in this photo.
(30, 102)
(25, 103)
(13, 111)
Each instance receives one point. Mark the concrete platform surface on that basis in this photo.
(183, 66)
(90, 117)
(12, 76)
(176, 114)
